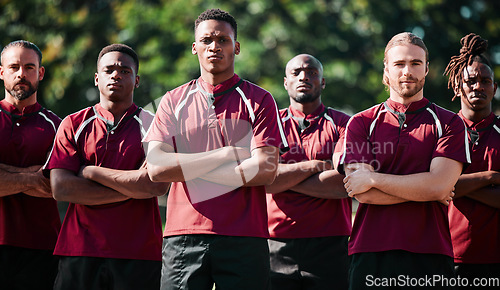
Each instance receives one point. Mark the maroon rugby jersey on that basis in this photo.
(27, 137)
(129, 229)
(474, 226)
(199, 117)
(397, 143)
(295, 215)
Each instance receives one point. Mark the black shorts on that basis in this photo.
(400, 270)
(309, 263)
(22, 268)
(197, 262)
(84, 273)
(486, 275)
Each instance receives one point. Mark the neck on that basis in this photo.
(476, 116)
(216, 79)
(306, 108)
(21, 104)
(406, 100)
(118, 109)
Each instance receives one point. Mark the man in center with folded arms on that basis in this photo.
(216, 139)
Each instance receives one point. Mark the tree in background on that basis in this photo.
(348, 36)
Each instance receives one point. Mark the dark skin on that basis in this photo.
(116, 79)
(304, 82)
(216, 48)
(476, 94)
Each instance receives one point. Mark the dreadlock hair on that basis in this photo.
(217, 14)
(123, 48)
(403, 38)
(24, 44)
(473, 49)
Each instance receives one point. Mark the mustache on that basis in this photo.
(23, 82)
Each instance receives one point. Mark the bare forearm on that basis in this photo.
(327, 184)
(258, 170)
(435, 185)
(164, 165)
(22, 180)
(471, 182)
(132, 183)
(489, 195)
(291, 175)
(377, 197)
(71, 188)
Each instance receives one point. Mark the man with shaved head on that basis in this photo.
(309, 214)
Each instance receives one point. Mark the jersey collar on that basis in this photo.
(479, 126)
(220, 88)
(408, 109)
(8, 107)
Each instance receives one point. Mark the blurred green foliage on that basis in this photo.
(347, 36)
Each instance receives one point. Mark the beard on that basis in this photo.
(305, 98)
(409, 91)
(20, 93)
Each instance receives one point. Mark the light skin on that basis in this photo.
(304, 82)
(406, 68)
(21, 73)
(476, 94)
(216, 49)
(116, 79)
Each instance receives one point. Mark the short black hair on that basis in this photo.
(25, 44)
(217, 14)
(120, 48)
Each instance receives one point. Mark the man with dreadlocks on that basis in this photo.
(475, 211)
(402, 159)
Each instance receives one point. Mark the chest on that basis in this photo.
(25, 141)
(120, 148)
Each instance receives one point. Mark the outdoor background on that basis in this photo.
(347, 36)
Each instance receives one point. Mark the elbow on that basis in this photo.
(59, 194)
(160, 188)
(269, 176)
(440, 193)
(154, 173)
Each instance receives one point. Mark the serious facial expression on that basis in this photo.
(405, 69)
(116, 77)
(216, 47)
(478, 85)
(21, 72)
(304, 79)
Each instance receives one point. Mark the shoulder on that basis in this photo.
(369, 114)
(338, 116)
(50, 117)
(78, 117)
(253, 91)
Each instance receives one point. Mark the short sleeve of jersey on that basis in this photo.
(355, 143)
(341, 126)
(454, 143)
(163, 128)
(64, 154)
(267, 127)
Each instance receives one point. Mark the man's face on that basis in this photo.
(478, 86)
(304, 79)
(216, 48)
(405, 69)
(21, 72)
(116, 77)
